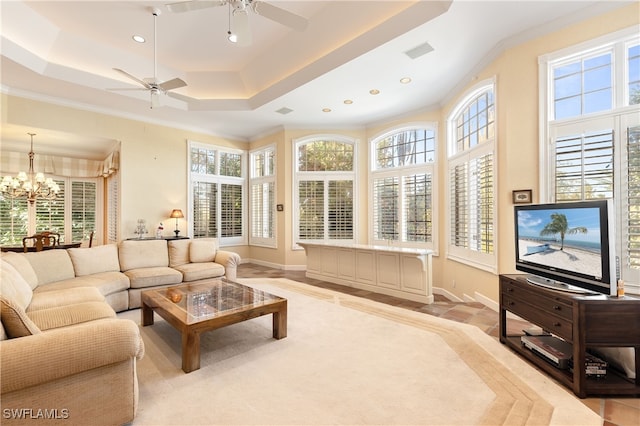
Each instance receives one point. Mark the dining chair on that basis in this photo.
(40, 241)
(91, 238)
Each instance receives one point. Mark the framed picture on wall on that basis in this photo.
(522, 196)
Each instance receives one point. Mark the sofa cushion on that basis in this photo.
(14, 320)
(106, 282)
(13, 285)
(200, 271)
(143, 254)
(51, 265)
(87, 261)
(202, 250)
(178, 252)
(151, 277)
(63, 316)
(69, 296)
(23, 267)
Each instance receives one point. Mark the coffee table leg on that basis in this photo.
(146, 314)
(190, 351)
(280, 322)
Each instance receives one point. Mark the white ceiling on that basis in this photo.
(65, 52)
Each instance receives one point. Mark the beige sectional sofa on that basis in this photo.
(62, 348)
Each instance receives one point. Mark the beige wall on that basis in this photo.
(156, 156)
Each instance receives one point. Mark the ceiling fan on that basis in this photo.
(239, 30)
(152, 84)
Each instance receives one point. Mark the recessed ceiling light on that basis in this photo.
(138, 38)
(374, 91)
(326, 109)
(348, 101)
(405, 80)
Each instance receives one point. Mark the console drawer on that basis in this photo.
(544, 318)
(551, 304)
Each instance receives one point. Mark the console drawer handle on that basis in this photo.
(510, 290)
(556, 324)
(557, 308)
(512, 303)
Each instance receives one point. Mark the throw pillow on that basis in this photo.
(14, 286)
(89, 261)
(178, 252)
(203, 250)
(15, 321)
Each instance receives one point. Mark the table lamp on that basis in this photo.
(177, 214)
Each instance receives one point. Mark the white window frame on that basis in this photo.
(621, 116)
(401, 173)
(298, 176)
(66, 236)
(480, 260)
(219, 180)
(267, 209)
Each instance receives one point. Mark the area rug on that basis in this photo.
(345, 361)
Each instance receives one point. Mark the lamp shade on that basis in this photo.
(176, 214)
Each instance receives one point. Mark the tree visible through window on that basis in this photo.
(402, 187)
(324, 183)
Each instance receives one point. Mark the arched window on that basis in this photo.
(402, 186)
(324, 199)
(471, 178)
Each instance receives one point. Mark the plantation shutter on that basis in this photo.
(340, 211)
(472, 204)
(584, 166)
(417, 190)
(262, 216)
(385, 212)
(50, 214)
(205, 209)
(112, 208)
(482, 194)
(230, 210)
(459, 208)
(633, 197)
(83, 210)
(311, 209)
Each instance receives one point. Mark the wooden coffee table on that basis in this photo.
(195, 308)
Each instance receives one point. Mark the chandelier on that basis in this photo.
(31, 185)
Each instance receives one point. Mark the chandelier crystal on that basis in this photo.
(30, 185)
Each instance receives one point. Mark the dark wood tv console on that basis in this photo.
(584, 321)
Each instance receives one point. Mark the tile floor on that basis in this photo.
(614, 411)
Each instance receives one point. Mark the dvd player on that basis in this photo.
(555, 350)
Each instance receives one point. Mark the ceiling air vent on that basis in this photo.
(284, 110)
(419, 50)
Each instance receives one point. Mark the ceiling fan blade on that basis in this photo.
(280, 15)
(241, 28)
(172, 84)
(121, 89)
(186, 6)
(134, 78)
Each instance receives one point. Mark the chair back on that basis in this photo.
(41, 240)
(91, 238)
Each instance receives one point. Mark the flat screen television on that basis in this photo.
(567, 246)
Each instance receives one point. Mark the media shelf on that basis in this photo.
(584, 321)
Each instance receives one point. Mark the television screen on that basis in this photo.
(567, 242)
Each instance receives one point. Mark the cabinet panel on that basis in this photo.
(413, 276)
(388, 266)
(365, 267)
(347, 264)
(330, 262)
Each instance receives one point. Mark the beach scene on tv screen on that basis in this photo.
(566, 239)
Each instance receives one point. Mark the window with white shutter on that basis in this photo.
(591, 128)
(263, 198)
(472, 181)
(324, 179)
(113, 208)
(402, 169)
(217, 193)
